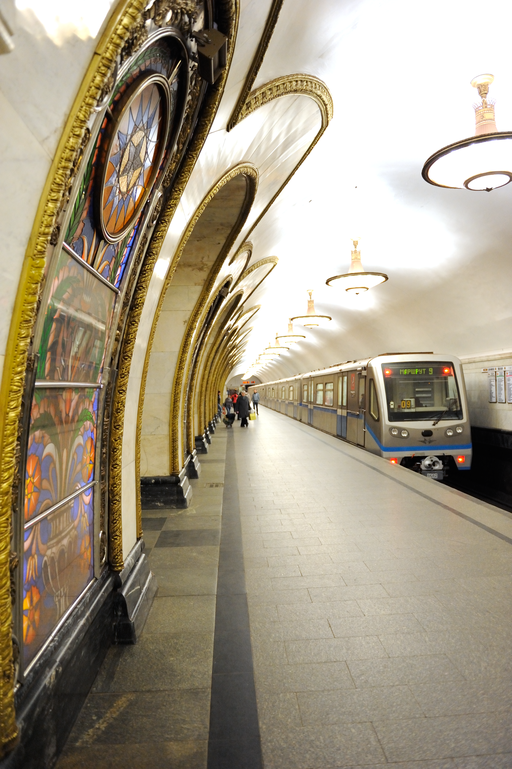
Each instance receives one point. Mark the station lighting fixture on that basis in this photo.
(482, 162)
(291, 337)
(275, 349)
(356, 280)
(311, 319)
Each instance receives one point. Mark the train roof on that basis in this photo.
(357, 364)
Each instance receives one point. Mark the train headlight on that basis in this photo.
(404, 433)
(459, 429)
(449, 432)
(394, 431)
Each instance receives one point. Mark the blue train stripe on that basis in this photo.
(431, 448)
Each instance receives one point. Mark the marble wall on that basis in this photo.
(33, 111)
(483, 413)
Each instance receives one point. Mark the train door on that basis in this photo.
(356, 407)
(341, 428)
(361, 426)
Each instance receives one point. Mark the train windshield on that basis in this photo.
(421, 391)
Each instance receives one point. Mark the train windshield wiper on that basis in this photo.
(439, 416)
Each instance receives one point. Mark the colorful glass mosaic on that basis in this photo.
(131, 159)
(61, 446)
(84, 231)
(75, 327)
(57, 566)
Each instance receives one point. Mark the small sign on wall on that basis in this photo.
(491, 378)
(500, 385)
(508, 382)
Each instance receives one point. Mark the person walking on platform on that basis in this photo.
(255, 401)
(243, 409)
(235, 397)
(228, 404)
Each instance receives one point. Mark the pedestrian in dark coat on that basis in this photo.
(244, 408)
(235, 397)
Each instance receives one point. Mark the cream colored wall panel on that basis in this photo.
(50, 49)
(481, 412)
(154, 455)
(169, 331)
(179, 297)
(156, 414)
(24, 166)
(253, 15)
(161, 372)
(129, 508)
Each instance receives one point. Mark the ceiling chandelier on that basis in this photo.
(291, 337)
(356, 280)
(275, 349)
(311, 319)
(484, 161)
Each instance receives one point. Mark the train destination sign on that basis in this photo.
(418, 371)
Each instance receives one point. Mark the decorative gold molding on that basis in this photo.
(182, 366)
(216, 332)
(273, 260)
(288, 85)
(302, 85)
(270, 24)
(198, 392)
(228, 18)
(25, 308)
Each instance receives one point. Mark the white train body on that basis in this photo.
(409, 408)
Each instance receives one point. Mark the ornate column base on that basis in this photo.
(165, 491)
(201, 444)
(136, 587)
(193, 466)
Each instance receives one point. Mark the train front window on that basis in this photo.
(421, 391)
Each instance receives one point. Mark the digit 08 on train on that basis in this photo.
(410, 408)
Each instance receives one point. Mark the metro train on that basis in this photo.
(410, 408)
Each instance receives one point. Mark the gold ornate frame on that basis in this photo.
(229, 17)
(183, 363)
(62, 171)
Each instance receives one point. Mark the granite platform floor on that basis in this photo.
(353, 614)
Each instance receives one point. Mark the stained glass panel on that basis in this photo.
(131, 159)
(83, 233)
(61, 446)
(57, 567)
(76, 323)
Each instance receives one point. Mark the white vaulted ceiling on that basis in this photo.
(399, 74)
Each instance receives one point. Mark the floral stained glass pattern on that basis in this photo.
(57, 567)
(77, 317)
(61, 446)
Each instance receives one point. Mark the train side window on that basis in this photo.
(282, 393)
(329, 394)
(291, 393)
(273, 393)
(304, 393)
(374, 403)
(311, 391)
(320, 394)
(345, 390)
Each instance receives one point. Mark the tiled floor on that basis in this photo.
(379, 613)
(150, 705)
